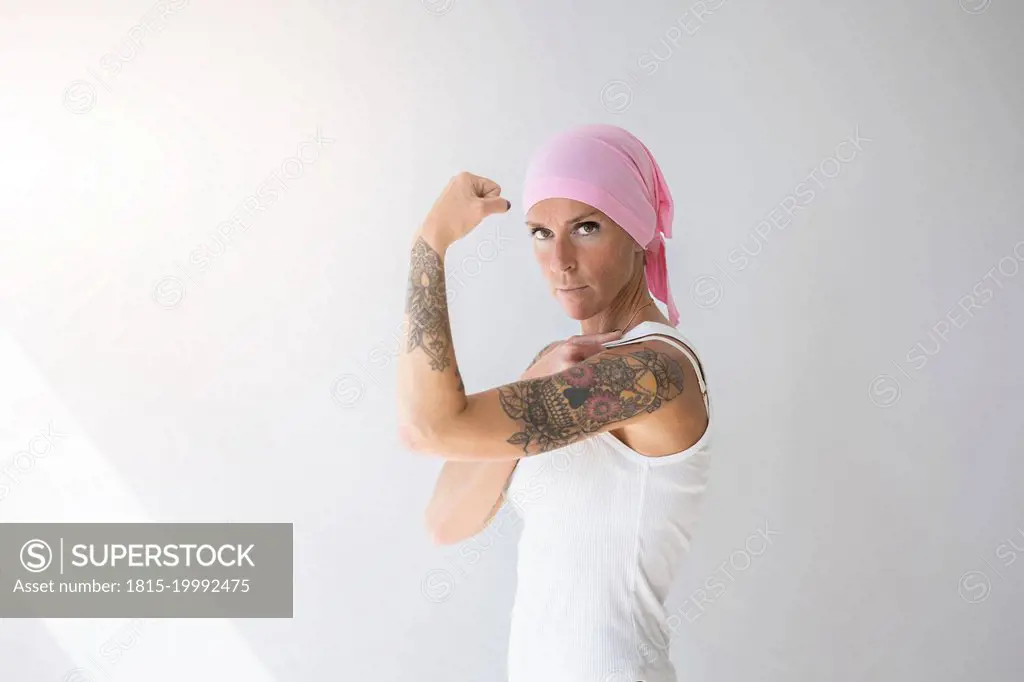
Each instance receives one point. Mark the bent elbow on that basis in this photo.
(434, 436)
(418, 437)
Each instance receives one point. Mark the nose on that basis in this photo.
(563, 256)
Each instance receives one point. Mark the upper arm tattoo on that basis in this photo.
(556, 410)
(427, 306)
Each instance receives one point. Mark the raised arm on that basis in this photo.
(430, 388)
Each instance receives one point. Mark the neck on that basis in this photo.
(624, 313)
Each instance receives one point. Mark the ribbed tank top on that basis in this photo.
(605, 532)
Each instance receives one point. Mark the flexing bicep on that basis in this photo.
(613, 388)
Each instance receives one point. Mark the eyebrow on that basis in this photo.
(567, 222)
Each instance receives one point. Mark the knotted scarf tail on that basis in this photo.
(657, 278)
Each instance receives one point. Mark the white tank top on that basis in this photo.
(605, 532)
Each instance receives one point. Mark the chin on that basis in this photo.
(578, 312)
(579, 307)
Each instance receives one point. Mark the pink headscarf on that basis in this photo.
(608, 168)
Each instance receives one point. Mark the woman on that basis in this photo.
(603, 444)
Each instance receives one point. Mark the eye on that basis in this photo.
(545, 233)
(592, 227)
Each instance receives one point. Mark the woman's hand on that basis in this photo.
(567, 353)
(465, 201)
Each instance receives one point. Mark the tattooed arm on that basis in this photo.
(430, 386)
(611, 389)
(430, 390)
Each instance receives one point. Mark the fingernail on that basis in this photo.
(509, 205)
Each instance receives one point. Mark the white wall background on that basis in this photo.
(888, 474)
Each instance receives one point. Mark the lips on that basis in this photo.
(572, 288)
(575, 293)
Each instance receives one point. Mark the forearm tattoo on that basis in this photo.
(556, 410)
(427, 306)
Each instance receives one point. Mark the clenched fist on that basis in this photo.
(463, 204)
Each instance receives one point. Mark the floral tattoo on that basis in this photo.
(556, 410)
(427, 306)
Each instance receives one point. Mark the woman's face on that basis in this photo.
(586, 258)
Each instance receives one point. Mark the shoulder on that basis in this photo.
(543, 351)
(671, 371)
(681, 417)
